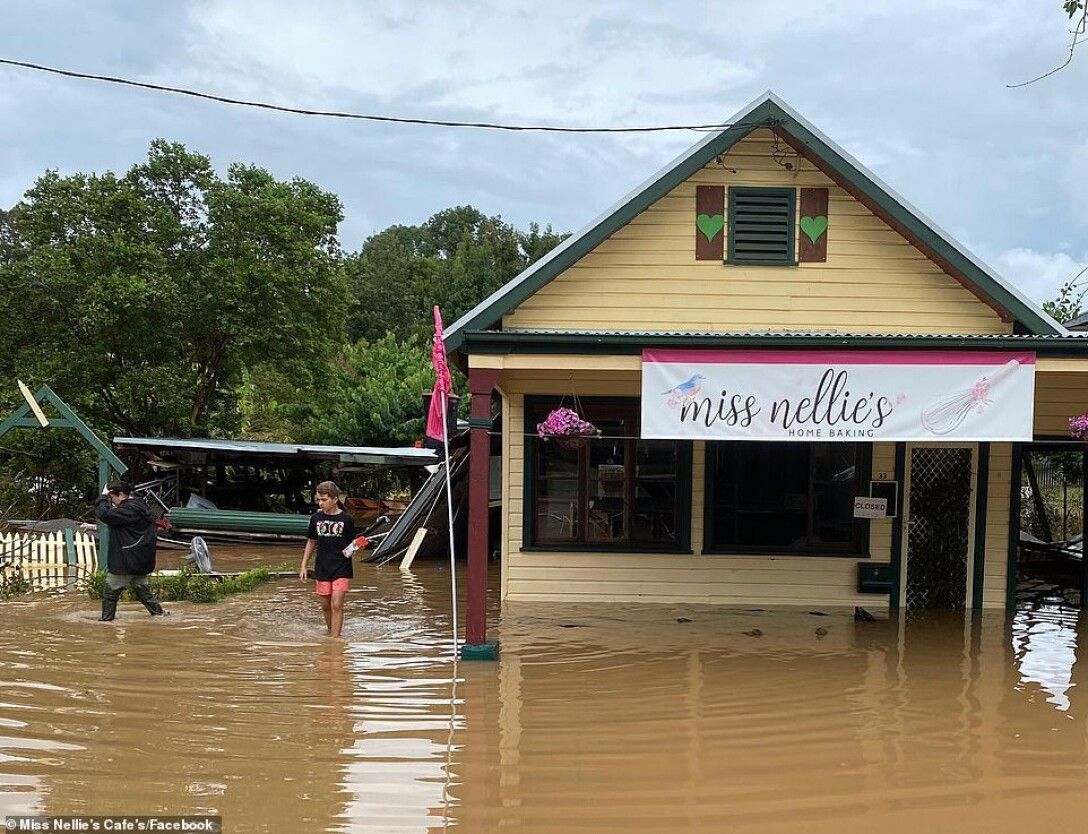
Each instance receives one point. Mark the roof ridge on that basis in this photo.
(767, 110)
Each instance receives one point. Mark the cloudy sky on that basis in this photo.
(917, 91)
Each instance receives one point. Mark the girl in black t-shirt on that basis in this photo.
(331, 530)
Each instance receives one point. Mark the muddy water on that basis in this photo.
(595, 719)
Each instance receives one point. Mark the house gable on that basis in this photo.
(888, 269)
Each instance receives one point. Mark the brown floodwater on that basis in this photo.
(595, 718)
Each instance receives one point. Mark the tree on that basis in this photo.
(455, 259)
(143, 298)
(1070, 300)
(375, 399)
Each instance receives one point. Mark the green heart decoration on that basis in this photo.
(710, 225)
(814, 227)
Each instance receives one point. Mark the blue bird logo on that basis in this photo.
(685, 391)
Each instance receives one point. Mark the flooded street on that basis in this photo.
(613, 718)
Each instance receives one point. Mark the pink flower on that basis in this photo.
(564, 422)
(1078, 427)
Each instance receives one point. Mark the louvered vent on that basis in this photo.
(761, 225)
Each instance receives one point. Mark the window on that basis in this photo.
(615, 492)
(785, 497)
(761, 226)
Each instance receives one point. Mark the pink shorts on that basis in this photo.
(325, 589)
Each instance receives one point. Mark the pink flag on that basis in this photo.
(443, 384)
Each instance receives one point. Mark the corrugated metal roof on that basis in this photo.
(1079, 321)
(401, 455)
(787, 334)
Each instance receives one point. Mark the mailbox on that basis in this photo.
(875, 578)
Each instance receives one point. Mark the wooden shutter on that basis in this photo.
(812, 242)
(761, 225)
(709, 222)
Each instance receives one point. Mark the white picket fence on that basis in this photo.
(48, 560)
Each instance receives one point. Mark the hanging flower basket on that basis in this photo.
(1078, 427)
(566, 428)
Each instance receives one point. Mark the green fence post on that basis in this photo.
(70, 554)
(103, 530)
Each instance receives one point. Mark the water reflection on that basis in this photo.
(1044, 643)
(619, 717)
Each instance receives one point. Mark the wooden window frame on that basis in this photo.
(601, 406)
(859, 548)
(791, 231)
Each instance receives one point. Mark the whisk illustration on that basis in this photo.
(947, 415)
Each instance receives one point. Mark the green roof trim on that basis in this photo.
(69, 419)
(613, 343)
(766, 111)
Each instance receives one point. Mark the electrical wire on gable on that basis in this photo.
(370, 117)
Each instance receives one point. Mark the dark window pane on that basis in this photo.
(655, 513)
(833, 487)
(608, 486)
(612, 491)
(791, 496)
(558, 500)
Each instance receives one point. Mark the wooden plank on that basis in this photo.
(813, 226)
(710, 223)
(32, 403)
(413, 548)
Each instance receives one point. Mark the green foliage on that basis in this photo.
(156, 289)
(1068, 305)
(200, 589)
(1071, 7)
(191, 587)
(169, 300)
(375, 398)
(455, 259)
(45, 474)
(13, 582)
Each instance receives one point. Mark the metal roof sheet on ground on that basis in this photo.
(391, 456)
(1078, 324)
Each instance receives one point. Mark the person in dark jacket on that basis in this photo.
(131, 556)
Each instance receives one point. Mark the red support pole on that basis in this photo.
(481, 381)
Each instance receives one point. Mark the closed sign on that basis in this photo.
(866, 507)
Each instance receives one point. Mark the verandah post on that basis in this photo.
(481, 382)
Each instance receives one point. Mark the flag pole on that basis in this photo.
(449, 516)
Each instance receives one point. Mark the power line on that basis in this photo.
(369, 117)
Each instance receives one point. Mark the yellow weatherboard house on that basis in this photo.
(789, 388)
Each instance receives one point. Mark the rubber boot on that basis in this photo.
(109, 604)
(145, 595)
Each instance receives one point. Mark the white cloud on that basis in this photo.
(1039, 275)
(915, 90)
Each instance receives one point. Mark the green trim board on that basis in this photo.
(982, 491)
(1014, 525)
(897, 525)
(683, 480)
(45, 394)
(767, 111)
(68, 419)
(1083, 528)
(501, 342)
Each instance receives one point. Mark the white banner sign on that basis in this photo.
(847, 395)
